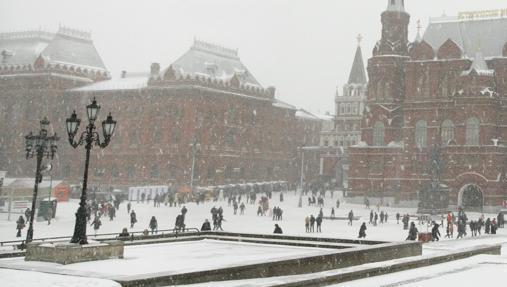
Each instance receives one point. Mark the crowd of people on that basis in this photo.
(96, 211)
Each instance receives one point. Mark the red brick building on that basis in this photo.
(207, 96)
(36, 67)
(449, 89)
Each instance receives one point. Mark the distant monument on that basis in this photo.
(434, 197)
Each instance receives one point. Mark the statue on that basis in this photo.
(434, 197)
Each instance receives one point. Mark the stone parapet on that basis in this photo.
(68, 253)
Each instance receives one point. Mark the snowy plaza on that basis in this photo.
(211, 254)
(253, 143)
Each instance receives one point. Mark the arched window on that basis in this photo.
(378, 134)
(421, 139)
(447, 132)
(472, 131)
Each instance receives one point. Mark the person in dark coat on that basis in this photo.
(20, 224)
(124, 233)
(405, 220)
(435, 233)
(312, 223)
(412, 232)
(319, 223)
(461, 228)
(206, 226)
(351, 217)
(362, 231)
(278, 229)
(494, 226)
(153, 225)
(133, 219)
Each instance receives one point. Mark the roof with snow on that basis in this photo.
(127, 83)
(472, 35)
(357, 73)
(213, 61)
(66, 47)
(303, 114)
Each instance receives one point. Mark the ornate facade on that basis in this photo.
(447, 89)
(208, 97)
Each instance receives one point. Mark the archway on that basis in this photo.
(470, 198)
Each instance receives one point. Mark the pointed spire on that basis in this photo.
(357, 73)
(396, 5)
(418, 38)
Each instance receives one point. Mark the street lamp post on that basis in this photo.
(88, 138)
(40, 146)
(195, 147)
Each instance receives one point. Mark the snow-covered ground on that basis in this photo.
(292, 224)
(173, 258)
(17, 278)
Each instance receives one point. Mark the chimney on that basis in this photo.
(155, 69)
(123, 74)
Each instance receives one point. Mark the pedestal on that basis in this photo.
(68, 253)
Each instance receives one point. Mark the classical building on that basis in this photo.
(205, 106)
(36, 67)
(447, 90)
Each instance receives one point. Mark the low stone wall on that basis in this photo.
(67, 253)
(396, 267)
(312, 264)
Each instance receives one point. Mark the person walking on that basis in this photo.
(96, 224)
(133, 219)
(129, 205)
(153, 225)
(27, 214)
(307, 224)
(362, 230)
(435, 233)
(351, 217)
(20, 224)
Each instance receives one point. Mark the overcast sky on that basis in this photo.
(304, 48)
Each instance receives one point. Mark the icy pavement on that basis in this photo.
(17, 278)
(172, 258)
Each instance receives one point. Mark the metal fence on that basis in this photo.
(134, 235)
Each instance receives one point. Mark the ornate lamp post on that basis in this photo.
(40, 146)
(195, 148)
(88, 138)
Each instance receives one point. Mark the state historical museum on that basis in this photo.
(446, 90)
